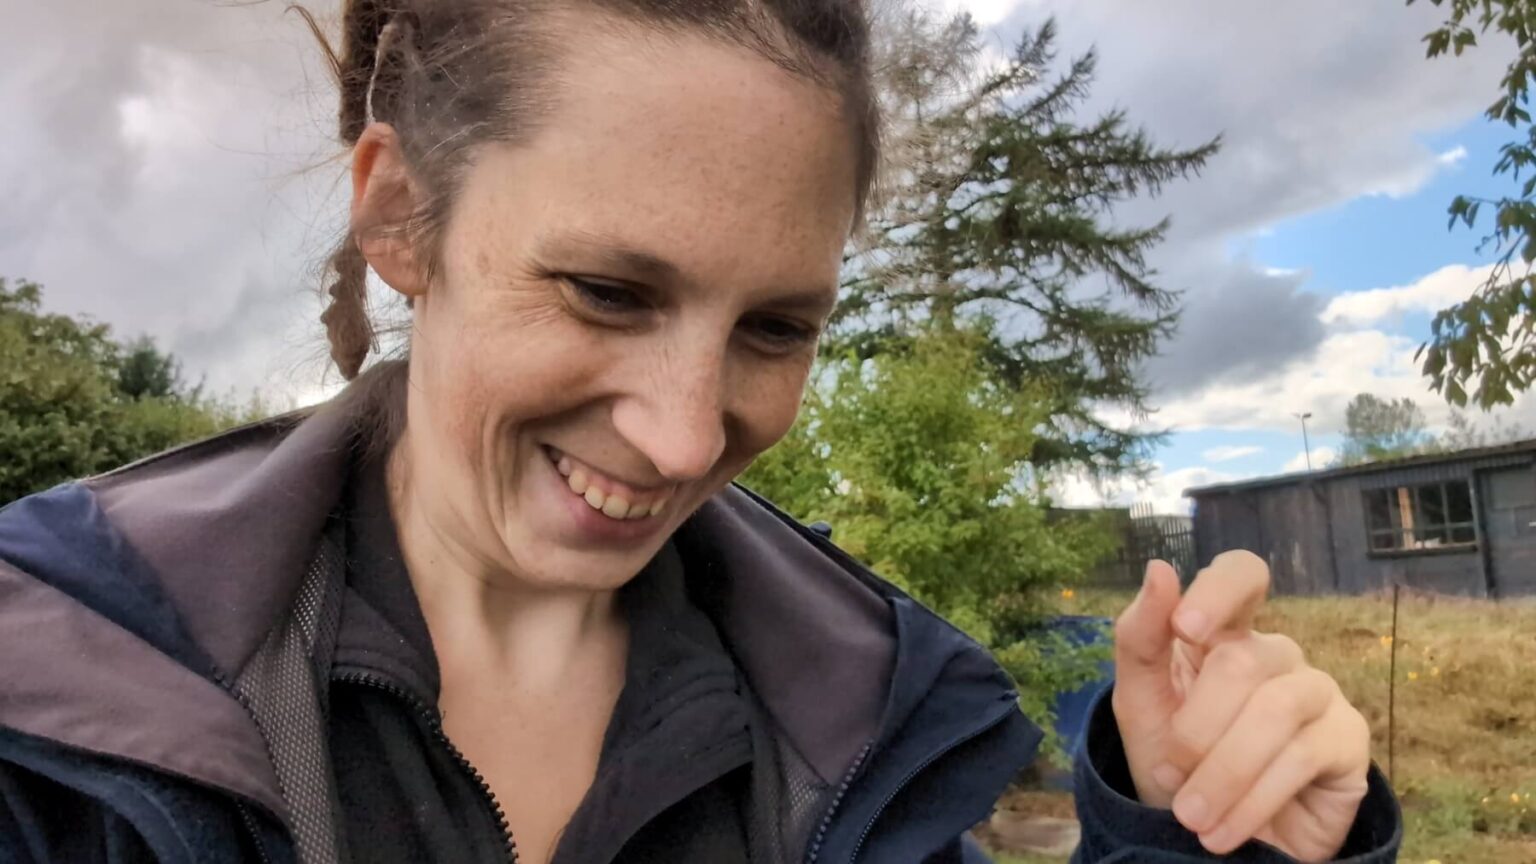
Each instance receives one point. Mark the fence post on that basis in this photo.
(1392, 695)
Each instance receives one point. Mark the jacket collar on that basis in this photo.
(227, 526)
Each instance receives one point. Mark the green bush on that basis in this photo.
(919, 459)
(74, 402)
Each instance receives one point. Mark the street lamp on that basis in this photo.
(1305, 442)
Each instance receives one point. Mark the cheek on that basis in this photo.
(501, 365)
(770, 404)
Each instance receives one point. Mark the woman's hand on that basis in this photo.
(1232, 728)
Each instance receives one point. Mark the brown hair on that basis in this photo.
(451, 74)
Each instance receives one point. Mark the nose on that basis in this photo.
(677, 417)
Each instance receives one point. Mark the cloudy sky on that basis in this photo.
(167, 169)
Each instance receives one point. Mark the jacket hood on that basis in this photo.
(129, 600)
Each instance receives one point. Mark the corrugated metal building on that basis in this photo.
(1457, 523)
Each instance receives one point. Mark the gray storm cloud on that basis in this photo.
(159, 161)
(159, 175)
(1318, 103)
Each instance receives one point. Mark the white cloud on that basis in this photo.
(1318, 102)
(1164, 490)
(150, 172)
(1321, 457)
(1453, 156)
(1431, 293)
(1343, 365)
(1358, 354)
(1230, 452)
(160, 179)
(986, 12)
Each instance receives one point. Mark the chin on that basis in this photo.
(545, 553)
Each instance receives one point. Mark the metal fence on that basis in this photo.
(1145, 536)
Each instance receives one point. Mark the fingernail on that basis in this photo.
(1220, 840)
(1168, 777)
(1191, 810)
(1193, 624)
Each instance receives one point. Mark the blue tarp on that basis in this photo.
(1072, 707)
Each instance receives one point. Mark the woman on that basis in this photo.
(502, 592)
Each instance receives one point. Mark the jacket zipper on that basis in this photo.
(936, 755)
(250, 825)
(434, 723)
(246, 818)
(842, 790)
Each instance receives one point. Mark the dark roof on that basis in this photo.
(1526, 446)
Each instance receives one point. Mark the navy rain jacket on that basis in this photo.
(193, 670)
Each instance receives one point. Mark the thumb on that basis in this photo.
(1145, 698)
(1144, 638)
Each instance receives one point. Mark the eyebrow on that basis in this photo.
(818, 300)
(611, 252)
(614, 253)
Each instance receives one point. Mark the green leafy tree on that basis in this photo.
(73, 402)
(920, 459)
(1378, 428)
(56, 400)
(144, 371)
(999, 204)
(1486, 344)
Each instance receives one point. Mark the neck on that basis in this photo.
(484, 615)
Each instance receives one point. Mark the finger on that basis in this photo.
(1186, 666)
(1144, 642)
(1269, 720)
(1224, 597)
(1144, 698)
(1337, 743)
(1233, 670)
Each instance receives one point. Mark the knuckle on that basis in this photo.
(1288, 650)
(1279, 697)
(1321, 682)
(1356, 731)
(1362, 731)
(1234, 660)
(1126, 644)
(1305, 756)
(1130, 638)
(1216, 780)
(1124, 627)
(1187, 734)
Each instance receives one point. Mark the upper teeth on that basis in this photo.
(615, 505)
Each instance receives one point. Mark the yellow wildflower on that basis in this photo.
(1386, 641)
(1068, 593)
(1514, 797)
(1413, 676)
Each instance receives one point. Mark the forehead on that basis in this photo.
(700, 153)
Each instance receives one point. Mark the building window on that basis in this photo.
(1422, 517)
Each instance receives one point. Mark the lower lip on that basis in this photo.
(591, 524)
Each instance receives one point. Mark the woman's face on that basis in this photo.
(627, 308)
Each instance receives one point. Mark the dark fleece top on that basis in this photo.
(674, 776)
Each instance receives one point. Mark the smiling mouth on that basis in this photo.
(604, 494)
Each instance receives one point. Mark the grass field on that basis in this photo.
(1465, 748)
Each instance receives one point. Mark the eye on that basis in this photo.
(779, 334)
(605, 297)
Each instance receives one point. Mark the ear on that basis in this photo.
(384, 197)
